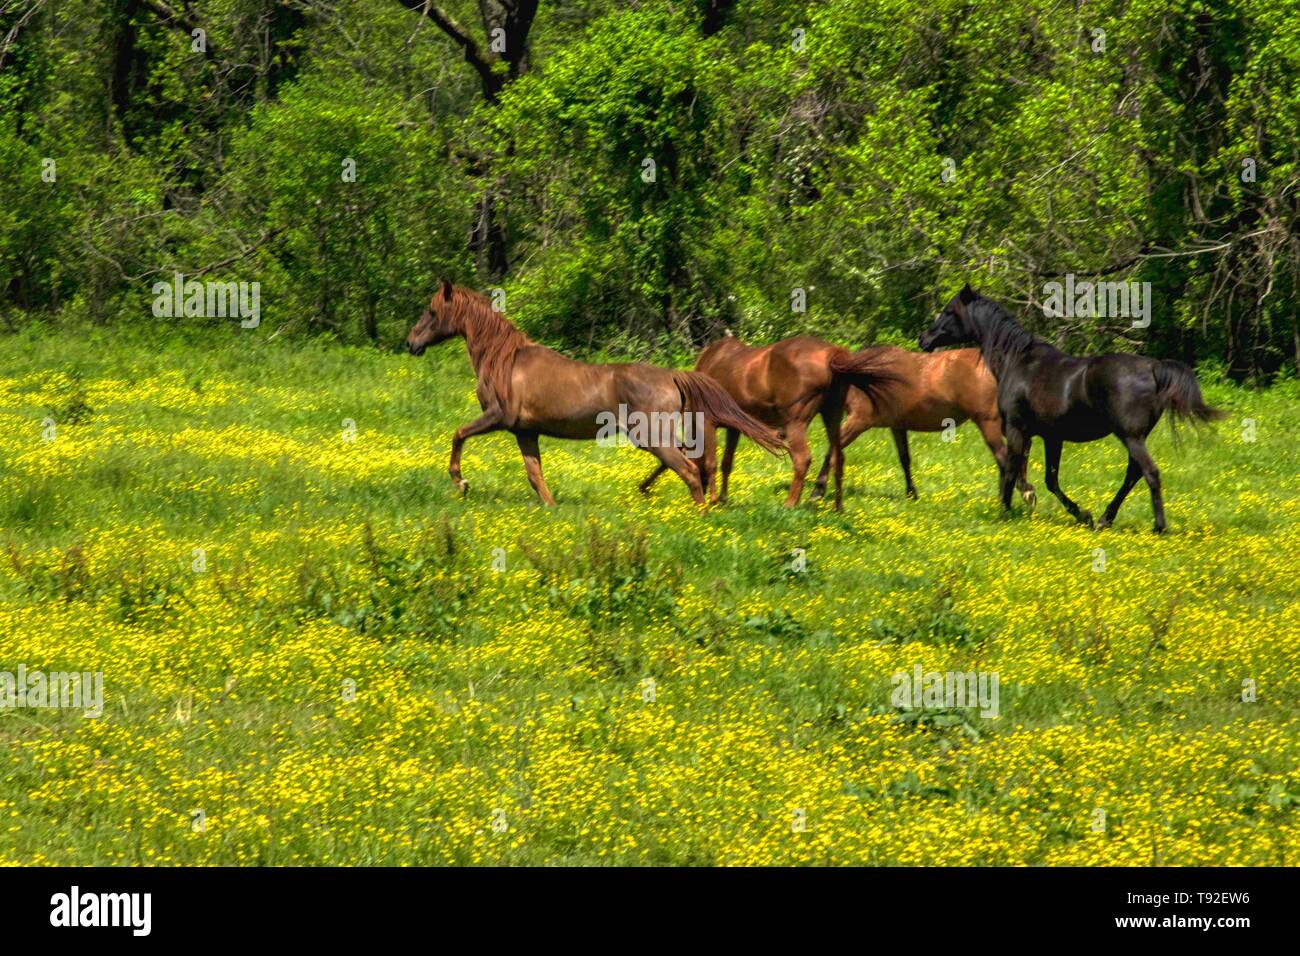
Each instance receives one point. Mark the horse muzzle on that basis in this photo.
(415, 349)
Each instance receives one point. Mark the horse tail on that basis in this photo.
(1178, 391)
(868, 369)
(702, 394)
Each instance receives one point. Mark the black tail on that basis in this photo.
(1179, 392)
(869, 370)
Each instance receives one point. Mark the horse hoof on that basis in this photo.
(1029, 498)
(817, 494)
(911, 494)
(1085, 517)
(462, 486)
(1159, 529)
(1103, 524)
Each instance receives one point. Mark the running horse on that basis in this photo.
(786, 385)
(530, 391)
(1044, 392)
(934, 391)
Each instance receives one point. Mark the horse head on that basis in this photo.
(436, 324)
(952, 326)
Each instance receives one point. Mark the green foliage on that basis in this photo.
(392, 592)
(339, 177)
(874, 154)
(608, 579)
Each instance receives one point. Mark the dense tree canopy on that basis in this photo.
(643, 175)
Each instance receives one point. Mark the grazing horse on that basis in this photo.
(934, 392)
(530, 390)
(1042, 391)
(785, 385)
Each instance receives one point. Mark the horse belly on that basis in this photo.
(927, 415)
(1081, 426)
(567, 414)
(578, 429)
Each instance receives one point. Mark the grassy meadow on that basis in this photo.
(315, 652)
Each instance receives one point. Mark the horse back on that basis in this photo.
(768, 381)
(931, 388)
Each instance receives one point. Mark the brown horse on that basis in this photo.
(938, 390)
(785, 385)
(530, 390)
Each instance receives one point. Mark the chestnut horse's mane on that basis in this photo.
(491, 339)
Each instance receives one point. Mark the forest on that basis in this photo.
(636, 178)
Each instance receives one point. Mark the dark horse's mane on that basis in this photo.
(1001, 339)
(491, 339)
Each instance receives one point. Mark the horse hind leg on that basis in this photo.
(673, 457)
(700, 446)
(1131, 478)
(1137, 450)
(654, 476)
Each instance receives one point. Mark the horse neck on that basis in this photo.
(491, 341)
(1002, 342)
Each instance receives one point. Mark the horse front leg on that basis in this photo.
(904, 459)
(1011, 464)
(991, 431)
(796, 434)
(854, 424)
(489, 421)
(707, 463)
(1052, 458)
(533, 466)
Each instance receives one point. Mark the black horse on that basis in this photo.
(1042, 391)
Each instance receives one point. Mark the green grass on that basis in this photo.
(521, 694)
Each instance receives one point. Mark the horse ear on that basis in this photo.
(967, 294)
(446, 290)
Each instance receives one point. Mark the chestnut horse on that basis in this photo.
(936, 391)
(785, 385)
(530, 390)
